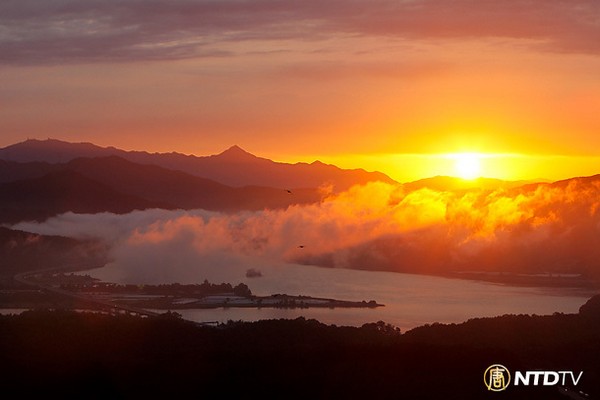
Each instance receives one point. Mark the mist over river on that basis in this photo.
(178, 246)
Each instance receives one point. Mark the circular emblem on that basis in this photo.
(496, 377)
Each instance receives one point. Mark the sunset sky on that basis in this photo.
(397, 86)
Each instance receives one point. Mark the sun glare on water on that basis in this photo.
(467, 165)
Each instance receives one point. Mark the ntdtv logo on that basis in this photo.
(497, 378)
(546, 378)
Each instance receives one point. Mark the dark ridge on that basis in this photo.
(22, 251)
(224, 168)
(69, 354)
(62, 191)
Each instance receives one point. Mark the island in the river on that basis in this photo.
(61, 289)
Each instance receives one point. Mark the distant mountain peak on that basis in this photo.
(233, 167)
(235, 152)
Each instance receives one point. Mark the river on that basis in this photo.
(410, 300)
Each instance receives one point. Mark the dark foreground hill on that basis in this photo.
(23, 251)
(97, 356)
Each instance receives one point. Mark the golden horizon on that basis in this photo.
(469, 164)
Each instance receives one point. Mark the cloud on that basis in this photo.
(69, 31)
(343, 70)
(544, 228)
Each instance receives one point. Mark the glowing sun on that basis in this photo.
(467, 165)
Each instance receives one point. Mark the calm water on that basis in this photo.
(410, 300)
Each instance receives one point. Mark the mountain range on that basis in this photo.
(234, 167)
(43, 178)
(40, 179)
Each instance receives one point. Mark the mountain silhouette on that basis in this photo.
(62, 191)
(233, 167)
(21, 251)
(112, 184)
(11, 171)
(183, 190)
(236, 154)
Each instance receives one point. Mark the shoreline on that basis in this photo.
(524, 280)
(53, 287)
(272, 301)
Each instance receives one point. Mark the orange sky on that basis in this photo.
(381, 84)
